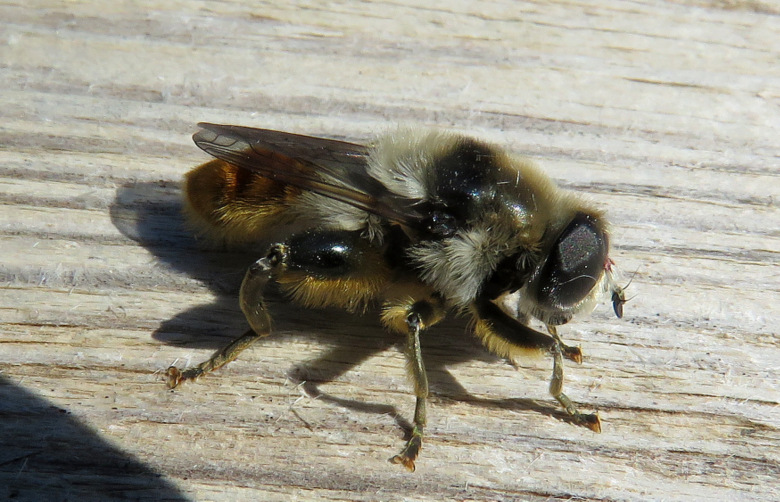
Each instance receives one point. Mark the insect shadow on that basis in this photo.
(150, 213)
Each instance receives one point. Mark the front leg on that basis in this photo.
(507, 337)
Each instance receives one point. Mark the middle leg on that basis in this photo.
(412, 317)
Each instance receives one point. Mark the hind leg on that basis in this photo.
(316, 269)
(253, 306)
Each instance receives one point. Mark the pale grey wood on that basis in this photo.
(665, 113)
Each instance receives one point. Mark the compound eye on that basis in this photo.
(574, 265)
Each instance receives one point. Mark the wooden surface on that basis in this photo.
(665, 113)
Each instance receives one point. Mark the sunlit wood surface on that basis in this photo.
(665, 113)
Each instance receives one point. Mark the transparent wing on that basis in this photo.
(332, 168)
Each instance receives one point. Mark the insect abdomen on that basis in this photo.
(234, 204)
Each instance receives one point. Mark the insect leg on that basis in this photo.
(253, 306)
(506, 337)
(322, 268)
(413, 317)
(591, 421)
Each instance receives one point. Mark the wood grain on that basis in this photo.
(666, 113)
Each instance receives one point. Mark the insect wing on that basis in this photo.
(332, 168)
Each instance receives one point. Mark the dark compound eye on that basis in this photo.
(574, 265)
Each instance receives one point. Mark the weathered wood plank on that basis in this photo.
(665, 113)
